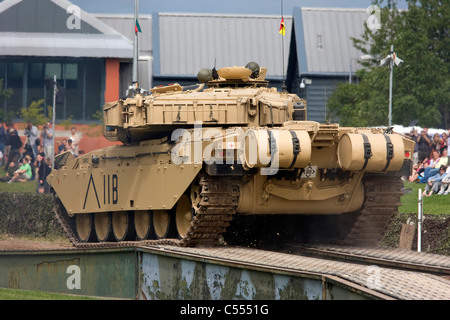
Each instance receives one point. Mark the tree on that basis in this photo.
(421, 87)
(34, 113)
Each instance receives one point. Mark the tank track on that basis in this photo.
(217, 202)
(382, 199)
(219, 198)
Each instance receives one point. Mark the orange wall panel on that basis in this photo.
(112, 80)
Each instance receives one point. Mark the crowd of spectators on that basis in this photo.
(30, 158)
(431, 161)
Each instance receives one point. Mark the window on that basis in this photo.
(52, 69)
(35, 71)
(95, 70)
(71, 71)
(15, 72)
(82, 80)
(3, 71)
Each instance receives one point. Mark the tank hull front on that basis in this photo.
(307, 196)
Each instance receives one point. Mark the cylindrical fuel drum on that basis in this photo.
(275, 148)
(371, 152)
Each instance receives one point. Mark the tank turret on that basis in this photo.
(170, 107)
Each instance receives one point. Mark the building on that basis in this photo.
(322, 54)
(185, 43)
(43, 38)
(92, 54)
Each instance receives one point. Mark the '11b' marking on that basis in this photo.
(110, 189)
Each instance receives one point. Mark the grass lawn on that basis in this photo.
(435, 204)
(13, 294)
(17, 187)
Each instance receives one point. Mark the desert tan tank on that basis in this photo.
(194, 161)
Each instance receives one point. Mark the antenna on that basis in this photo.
(215, 75)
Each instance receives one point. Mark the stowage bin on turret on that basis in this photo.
(194, 161)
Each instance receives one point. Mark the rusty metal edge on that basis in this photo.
(346, 284)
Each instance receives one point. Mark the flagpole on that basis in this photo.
(135, 47)
(55, 91)
(283, 85)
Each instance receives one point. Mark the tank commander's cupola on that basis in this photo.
(252, 75)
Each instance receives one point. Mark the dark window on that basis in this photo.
(2, 71)
(74, 86)
(36, 84)
(14, 80)
(35, 71)
(2, 87)
(81, 83)
(94, 87)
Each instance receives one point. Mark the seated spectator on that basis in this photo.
(445, 182)
(433, 168)
(434, 159)
(434, 182)
(418, 170)
(23, 173)
(31, 163)
(10, 172)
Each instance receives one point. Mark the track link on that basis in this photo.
(219, 198)
(216, 206)
(382, 199)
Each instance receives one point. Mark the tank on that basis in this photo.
(225, 162)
